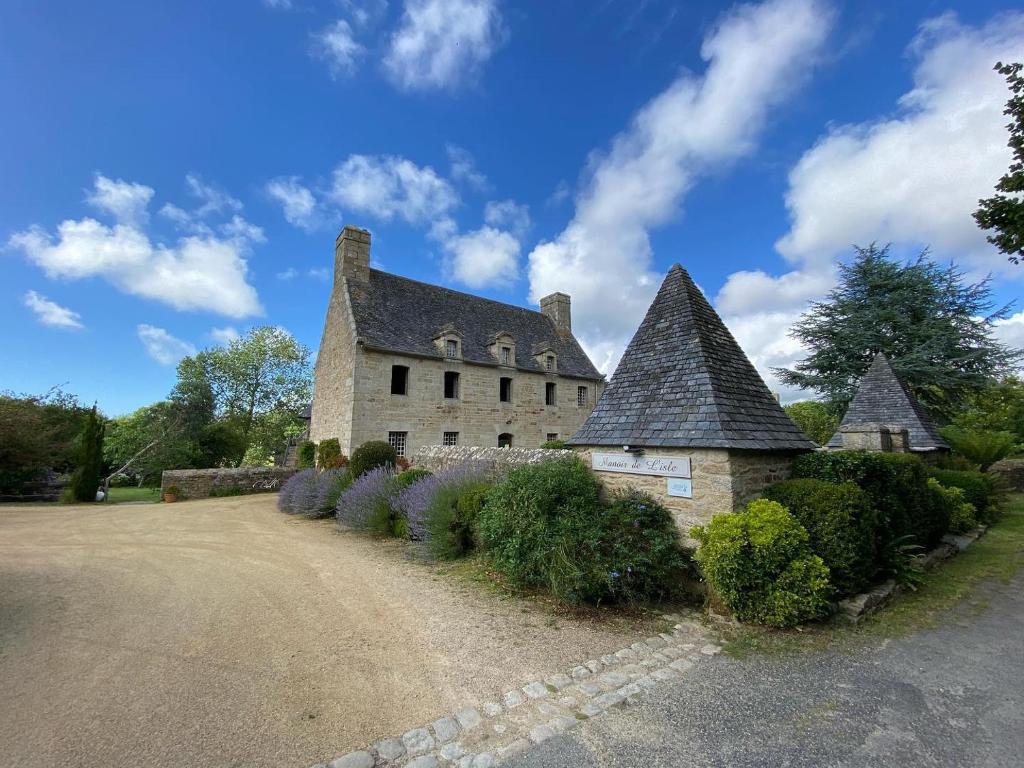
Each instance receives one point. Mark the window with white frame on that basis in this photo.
(581, 396)
(398, 441)
(450, 438)
(451, 348)
(552, 436)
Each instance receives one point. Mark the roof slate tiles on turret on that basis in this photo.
(882, 398)
(684, 381)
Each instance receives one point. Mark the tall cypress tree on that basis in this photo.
(86, 479)
(934, 328)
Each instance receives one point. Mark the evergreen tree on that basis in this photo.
(86, 479)
(934, 328)
(1004, 212)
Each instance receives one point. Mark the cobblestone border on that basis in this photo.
(483, 737)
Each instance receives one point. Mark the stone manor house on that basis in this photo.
(420, 365)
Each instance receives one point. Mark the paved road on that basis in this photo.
(224, 633)
(952, 696)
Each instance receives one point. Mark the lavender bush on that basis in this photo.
(331, 483)
(295, 489)
(367, 497)
(415, 501)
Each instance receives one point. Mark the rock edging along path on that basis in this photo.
(483, 737)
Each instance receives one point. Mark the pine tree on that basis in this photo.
(89, 465)
(1004, 212)
(934, 328)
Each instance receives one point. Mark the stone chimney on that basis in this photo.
(352, 255)
(556, 307)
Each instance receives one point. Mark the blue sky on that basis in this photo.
(175, 173)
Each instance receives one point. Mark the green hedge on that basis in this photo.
(896, 484)
(370, 455)
(452, 518)
(759, 563)
(307, 454)
(543, 526)
(979, 489)
(842, 525)
(961, 512)
(328, 453)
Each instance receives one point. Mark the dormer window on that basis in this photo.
(549, 363)
(506, 355)
(451, 349)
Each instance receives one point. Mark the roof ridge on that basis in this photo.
(460, 293)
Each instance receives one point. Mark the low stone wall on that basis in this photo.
(1011, 472)
(494, 461)
(199, 483)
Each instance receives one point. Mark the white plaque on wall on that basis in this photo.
(678, 486)
(639, 464)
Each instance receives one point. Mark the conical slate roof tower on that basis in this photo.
(684, 382)
(882, 398)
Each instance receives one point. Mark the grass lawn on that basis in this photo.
(121, 495)
(999, 554)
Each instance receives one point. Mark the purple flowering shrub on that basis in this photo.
(296, 490)
(367, 499)
(414, 503)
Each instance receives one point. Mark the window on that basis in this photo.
(451, 385)
(552, 436)
(581, 396)
(398, 440)
(451, 348)
(399, 379)
(549, 362)
(450, 438)
(504, 440)
(505, 389)
(506, 356)
(549, 393)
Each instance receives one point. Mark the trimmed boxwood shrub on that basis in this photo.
(543, 526)
(979, 489)
(842, 525)
(371, 455)
(328, 453)
(307, 454)
(759, 563)
(961, 512)
(896, 484)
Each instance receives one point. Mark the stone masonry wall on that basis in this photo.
(496, 461)
(721, 481)
(1011, 472)
(197, 483)
(477, 415)
(333, 377)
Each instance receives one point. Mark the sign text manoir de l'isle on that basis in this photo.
(662, 466)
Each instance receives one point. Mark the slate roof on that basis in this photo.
(684, 382)
(402, 315)
(883, 399)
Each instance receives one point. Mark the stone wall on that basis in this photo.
(334, 374)
(198, 483)
(721, 480)
(1011, 472)
(495, 461)
(477, 415)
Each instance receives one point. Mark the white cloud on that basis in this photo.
(323, 273)
(338, 45)
(289, 274)
(757, 291)
(224, 336)
(509, 215)
(278, 5)
(51, 313)
(297, 201)
(240, 229)
(485, 257)
(463, 168)
(161, 346)
(212, 200)
(441, 44)
(757, 56)
(125, 201)
(199, 272)
(1010, 330)
(386, 186)
(915, 177)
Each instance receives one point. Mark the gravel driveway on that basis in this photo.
(223, 633)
